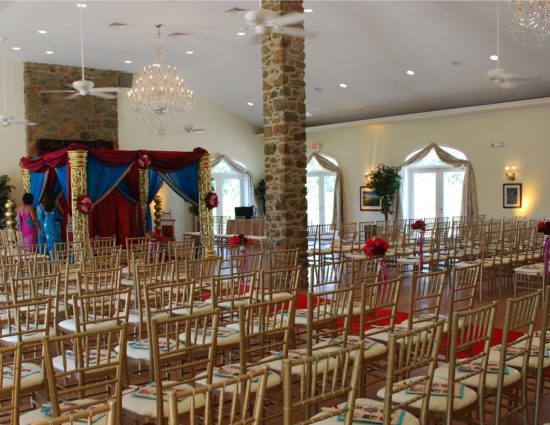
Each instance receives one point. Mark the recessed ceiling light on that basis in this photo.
(127, 61)
(190, 52)
(343, 85)
(249, 103)
(456, 63)
(409, 72)
(308, 10)
(16, 48)
(42, 32)
(241, 33)
(49, 52)
(81, 5)
(493, 57)
(319, 89)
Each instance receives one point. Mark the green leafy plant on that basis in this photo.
(385, 182)
(260, 193)
(5, 194)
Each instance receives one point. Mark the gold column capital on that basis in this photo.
(205, 214)
(78, 158)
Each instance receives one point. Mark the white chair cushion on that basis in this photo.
(226, 336)
(464, 396)
(511, 376)
(142, 402)
(70, 325)
(140, 349)
(27, 337)
(104, 357)
(275, 361)
(31, 375)
(41, 414)
(372, 348)
(494, 356)
(198, 307)
(224, 373)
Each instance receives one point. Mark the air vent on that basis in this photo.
(117, 25)
(177, 34)
(125, 79)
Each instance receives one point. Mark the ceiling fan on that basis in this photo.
(503, 77)
(85, 87)
(190, 128)
(259, 21)
(6, 119)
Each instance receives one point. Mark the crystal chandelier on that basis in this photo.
(531, 17)
(159, 94)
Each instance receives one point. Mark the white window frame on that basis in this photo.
(322, 174)
(243, 182)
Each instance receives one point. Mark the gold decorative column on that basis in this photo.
(205, 214)
(79, 185)
(158, 213)
(10, 214)
(143, 196)
(26, 180)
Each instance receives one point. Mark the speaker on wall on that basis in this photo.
(125, 79)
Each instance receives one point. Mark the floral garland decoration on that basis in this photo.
(84, 204)
(376, 247)
(239, 239)
(211, 200)
(144, 161)
(420, 225)
(544, 227)
(154, 236)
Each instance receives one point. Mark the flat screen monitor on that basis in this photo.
(246, 212)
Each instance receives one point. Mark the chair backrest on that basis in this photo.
(282, 258)
(204, 269)
(102, 308)
(10, 383)
(228, 402)
(469, 328)
(86, 417)
(326, 276)
(325, 379)
(146, 274)
(99, 280)
(410, 352)
(85, 366)
(276, 283)
(244, 263)
(97, 262)
(425, 297)
(184, 347)
(230, 291)
(364, 271)
(379, 302)
(27, 289)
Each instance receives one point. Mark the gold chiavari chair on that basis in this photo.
(99, 280)
(140, 254)
(412, 361)
(83, 371)
(74, 258)
(183, 351)
(181, 253)
(468, 328)
(225, 402)
(231, 291)
(102, 245)
(98, 310)
(204, 271)
(245, 263)
(511, 397)
(346, 241)
(87, 416)
(97, 262)
(326, 276)
(321, 389)
(541, 338)
(282, 258)
(322, 247)
(10, 382)
(363, 271)
(68, 246)
(281, 283)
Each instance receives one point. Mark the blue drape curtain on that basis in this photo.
(155, 183)
(38, 184)
(184, 182)
(102, 179)
(63, 178)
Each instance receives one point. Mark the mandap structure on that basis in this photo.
(121, 186)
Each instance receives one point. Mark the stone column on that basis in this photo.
(143, 196)
(283, 62)
(79, 185)
(205, 214)
(26, 180)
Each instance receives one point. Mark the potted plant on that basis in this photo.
(5, 194)
(385, 182)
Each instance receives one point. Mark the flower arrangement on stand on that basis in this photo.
(377, 247)
(84, 204)
(544, 227)
(241, 241)
(211, 200)
(420, 226)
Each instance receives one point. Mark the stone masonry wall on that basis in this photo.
(283, 61)
(85, 118)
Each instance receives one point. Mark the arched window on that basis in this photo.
(232, 183)
(433, 188)
(321, 189)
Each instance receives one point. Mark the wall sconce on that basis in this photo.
(510, 172)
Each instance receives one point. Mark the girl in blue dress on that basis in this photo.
(50, 220)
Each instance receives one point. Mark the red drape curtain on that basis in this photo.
(114, 215)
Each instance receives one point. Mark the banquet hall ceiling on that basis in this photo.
(367, 45)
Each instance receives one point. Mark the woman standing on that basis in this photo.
(50, 219)
(27, 221)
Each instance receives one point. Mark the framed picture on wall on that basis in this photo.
(368, 200)
(511, 195)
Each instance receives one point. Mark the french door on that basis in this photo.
(320, 197)
(435, 192)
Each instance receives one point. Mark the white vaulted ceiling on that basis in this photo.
(367, 45)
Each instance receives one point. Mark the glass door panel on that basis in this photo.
(313, 200)
(452, 192)
(328, 208)
(424, 190)
(231, 195)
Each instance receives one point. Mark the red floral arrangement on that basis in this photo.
(211, 200)
(544, 227)
(419, 225)
(84, 204)
(239, 239)
(376, 247)
(144, 161)
(154, 236)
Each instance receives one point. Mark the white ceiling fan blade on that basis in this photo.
(57, 91)
(507, 84)
(23, 122)
(72, 96)
(236, 10)
(104, 90)
(199, 130)
(291, 31)
(103, 95)
(524, 79)
(288, 19)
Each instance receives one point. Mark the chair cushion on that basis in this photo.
(198, 307)
(104, 357)
(517, 362)
(41, 414)
(275, 361)
(31, 375)
(511, 376)
(226, 336)
(70, 325)
(231, 371)
(140, 349)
